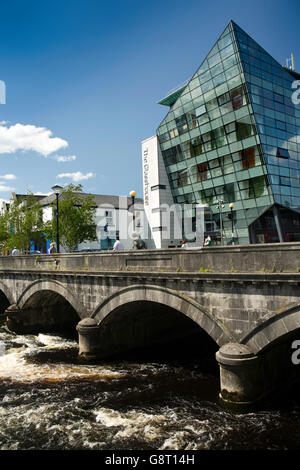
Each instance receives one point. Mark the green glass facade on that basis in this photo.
(232, 135)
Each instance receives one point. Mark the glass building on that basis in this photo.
(232, 135)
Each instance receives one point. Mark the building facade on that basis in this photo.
(114, 216)
(230, 143)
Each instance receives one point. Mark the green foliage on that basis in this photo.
(22, 224)
(204, 270)
(76, 218)
(4, 231)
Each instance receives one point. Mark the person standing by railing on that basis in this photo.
(118, 245)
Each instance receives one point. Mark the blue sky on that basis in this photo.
(83, 78)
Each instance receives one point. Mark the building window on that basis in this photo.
(109, 217)
(285, 181)
(248, 157)
(207, 196)
(173, 133)
(201, 110)
(192, 121)
(244, 130)
(182, 179)
(257, 186)
(237, 98)
(282, 153)
(215, 168)
(163, 137)
(229, 192)
(181, 124)
(202, 172)
(196, 146)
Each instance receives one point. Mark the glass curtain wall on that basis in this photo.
(230, 135)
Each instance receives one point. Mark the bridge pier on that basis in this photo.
(247, 378)
(241, 375)
(88, 339)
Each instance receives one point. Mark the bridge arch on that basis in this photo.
(6, 297)
(164, 297)
(45, 306)
(275, 329)
(30, 295)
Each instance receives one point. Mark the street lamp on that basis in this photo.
(132, 194)
(57, 189)
(231, 206)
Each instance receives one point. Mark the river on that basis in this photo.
(49, 401)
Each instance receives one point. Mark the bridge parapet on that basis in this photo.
(277, 257)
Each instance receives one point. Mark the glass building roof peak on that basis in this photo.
(173, 94)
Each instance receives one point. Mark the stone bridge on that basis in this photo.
(241, 302)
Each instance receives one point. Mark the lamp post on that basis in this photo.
(220, 206)
(132, 194)
(57, 189)
(231, 206)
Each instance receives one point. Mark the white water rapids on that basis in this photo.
(48, 400)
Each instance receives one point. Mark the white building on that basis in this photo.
(113, 217)
(169, 222)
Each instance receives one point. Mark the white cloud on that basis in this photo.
(62, 158)
(29, 137)
(77, 176)
(4, 188)
(38, 193)
(8, 177)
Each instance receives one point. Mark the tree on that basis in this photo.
(25, 221)
(4, 232)
(76, 218)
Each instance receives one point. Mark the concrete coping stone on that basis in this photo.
(234, 353)
(232, 350)
(88, 323)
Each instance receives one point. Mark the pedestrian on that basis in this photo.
(15, 252)
(184, 244)
(52, 248)
(208, 241)
(118, 245)
(138, 244)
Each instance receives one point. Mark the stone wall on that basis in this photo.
(277, 257)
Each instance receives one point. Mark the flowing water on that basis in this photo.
(48, 400)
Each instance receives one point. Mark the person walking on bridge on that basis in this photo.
(118, 245)
(52, 248)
